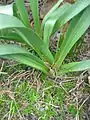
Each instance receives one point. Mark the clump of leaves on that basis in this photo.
(20, 30)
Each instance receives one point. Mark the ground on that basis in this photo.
(26, 95)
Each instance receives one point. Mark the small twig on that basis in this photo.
(87, 84)
(76, 86)
(1, 69)
(49, 104)
(48, 88)
(83, 103)
(3, 73)
(64, 88)
(2, 66)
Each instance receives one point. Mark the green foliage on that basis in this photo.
(72, 109)
(35, 13)
(20, 30)
(23, 12)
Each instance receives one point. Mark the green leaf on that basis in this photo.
(35, 13)
(28, 35)
(32, 61)
(6, 9)
(6, 49)
(10, 35)
(76, 29)
(7, 21)
(10, 23)
(49, 25)
(23, 12)
(21, 55)
(51, 12)
(32, 39)
(75, 66)
(15, 11)
(71, 12)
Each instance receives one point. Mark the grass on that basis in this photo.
(24, 95)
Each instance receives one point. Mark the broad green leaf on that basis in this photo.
(51, 12)
(23, 12)
(28, 35)
(19, 54)
(6, 49)
(6, 9)
(35, 13)
(7, 21)
(49, 25)
(75, 66)
(32, 61)
(71, 12)
(32, 39)
(10, 35)
(76, 29)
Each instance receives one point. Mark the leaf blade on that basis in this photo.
(23, 12)
(28, 35)
(75, 66)
(21, 55)
(72, 12)
(10, 35)
(50, 12)
(35, 13)
(7, 21)
(35, 42)
(49, 25)
(6, 9)
(80, 25)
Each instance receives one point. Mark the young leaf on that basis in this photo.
(75, 66)
(23, 12)
(76, 29)
(19, 54)
(51, 12)
(35, 13)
